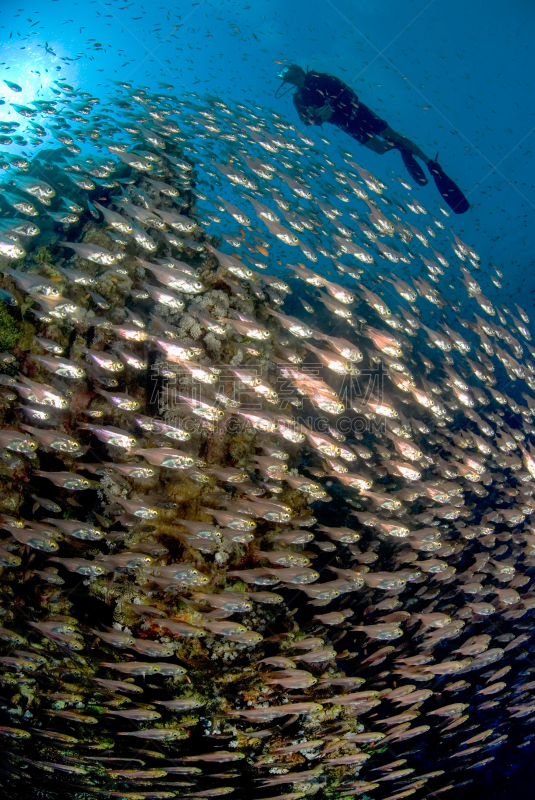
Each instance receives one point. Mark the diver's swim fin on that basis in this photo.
(448, 189)
(413, 168)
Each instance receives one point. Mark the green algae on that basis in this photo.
(9, 331)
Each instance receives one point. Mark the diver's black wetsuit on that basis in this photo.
(349, 113)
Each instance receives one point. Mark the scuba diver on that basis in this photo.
(321, 97)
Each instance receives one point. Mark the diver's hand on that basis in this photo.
(324, 113)
(316, 116)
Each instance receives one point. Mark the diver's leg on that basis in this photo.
(403, 143)
(378, 145)
(447, 188)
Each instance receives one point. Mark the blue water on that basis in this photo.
(454, 76)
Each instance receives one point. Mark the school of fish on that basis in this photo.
(264, 531)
